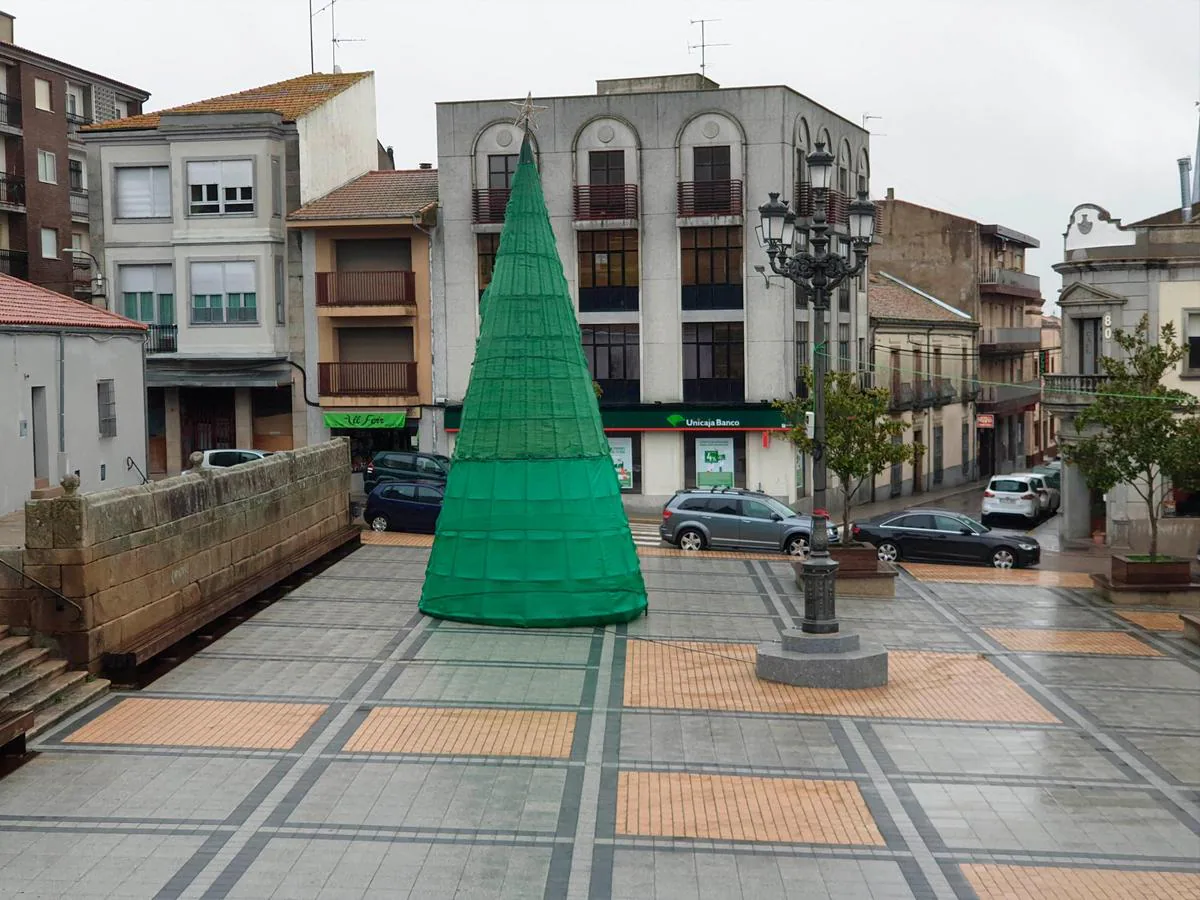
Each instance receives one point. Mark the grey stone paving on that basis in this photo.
(1115, 785)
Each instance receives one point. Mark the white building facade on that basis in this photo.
(72, 394)
(188, 212)
(652, 186)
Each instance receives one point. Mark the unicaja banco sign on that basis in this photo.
(678, 421)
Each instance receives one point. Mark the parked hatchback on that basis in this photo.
(937, 534)
(405, 465)
(223, 459)
(1010, 495)
(1047, 491)
(719, 518)
(404, 506)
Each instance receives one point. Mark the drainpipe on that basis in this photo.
(62, 395)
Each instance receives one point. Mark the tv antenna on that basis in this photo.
(704, 44)
(334, 40)
(867, 118)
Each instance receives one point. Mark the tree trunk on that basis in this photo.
(845, 513)
(1151, 509)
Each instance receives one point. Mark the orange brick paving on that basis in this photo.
(465, 732)
(738, 808)
(992, 882)
(1015, 577)
(922, 685)
(1154, 621)
(1039, 640)
(201, 723)
(403, 539)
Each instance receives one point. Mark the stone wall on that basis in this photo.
(148, 565)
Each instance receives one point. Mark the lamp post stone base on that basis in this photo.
(822, 661)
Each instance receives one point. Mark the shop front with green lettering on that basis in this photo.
(372, 432)
(674, 417)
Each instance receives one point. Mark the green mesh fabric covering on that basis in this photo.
(532, 531)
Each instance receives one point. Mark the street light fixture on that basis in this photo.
(98, 286)
(816, 273)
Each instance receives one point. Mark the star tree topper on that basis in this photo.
(527, 112)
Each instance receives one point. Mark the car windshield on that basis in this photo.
(777, 507)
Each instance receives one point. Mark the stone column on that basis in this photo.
(175, 462)
(243, 422)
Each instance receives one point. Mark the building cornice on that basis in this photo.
(21, 54)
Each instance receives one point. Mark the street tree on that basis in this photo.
(1145, 434)
(861, 438)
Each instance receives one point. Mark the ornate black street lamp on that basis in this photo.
(816, 272)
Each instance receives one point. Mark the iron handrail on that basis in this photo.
(60, 598)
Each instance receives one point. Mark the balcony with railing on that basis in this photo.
(12, 191)
(605, 201)
(79, 202)
(14, 263)
(162, 339)
(1065, 394)
(903, 396)
(367, 379)
(924, 394)
(944, 391)
(708, 198)
(1005, 399)
(75, 121)
(970, 389)
(1010, 282)
(836, 204)
(488, 205)
(10, 111)
(1001, 341)
(342, 289)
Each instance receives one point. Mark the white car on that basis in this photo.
(223, 459)
(1049, 496)
(1011, 495)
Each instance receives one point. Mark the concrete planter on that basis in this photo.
(854, 557)
(1162, 571)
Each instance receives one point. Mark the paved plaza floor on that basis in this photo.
(1032, 743)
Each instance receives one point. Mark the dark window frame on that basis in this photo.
(487, 246)
(501, 169)
(710, 265)
(739, 456)
(715, 355)
(712, 163)
(607, 345)
(620, 270)
(106, 407)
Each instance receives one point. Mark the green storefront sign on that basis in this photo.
(365, 420)
(675, 418)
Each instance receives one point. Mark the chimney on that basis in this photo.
(891, 193)
(1185, 188)
(424, 165)
(6, 27)
(391, 155)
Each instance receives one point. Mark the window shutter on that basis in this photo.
(207, 278)
(239, 277)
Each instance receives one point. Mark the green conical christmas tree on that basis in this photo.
(532, 531)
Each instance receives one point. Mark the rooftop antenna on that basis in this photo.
(704, 44)
(867, 118)
(334, 40)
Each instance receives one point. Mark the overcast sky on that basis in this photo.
(1009, 112)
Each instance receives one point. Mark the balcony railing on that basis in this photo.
(367, 379)
(1010, 281)
(903, 397)
(944, 390)
(1072, 390)
(12, 189)
(163, 339)
(836, 212)
(75, 122)
(970, 389)
(10, 111)
(1009, 397)
(488, 205)
(396, 288)
(1009, 340)
(606, 201)
(924, 393)
(709, 198)
(714, 390)
(79, 202)
(14, 263)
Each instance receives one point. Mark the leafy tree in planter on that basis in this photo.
(860, 436)
(1148, 434)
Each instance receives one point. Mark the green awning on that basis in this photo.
(366, 420)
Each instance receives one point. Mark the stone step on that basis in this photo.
(14, 644)
(70, 702)
(22, 659)
(44, 694)
(26, 678)
(3, 632)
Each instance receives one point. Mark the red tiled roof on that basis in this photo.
(886, 299)
(22, 303)
(386, 194)
(292, 99)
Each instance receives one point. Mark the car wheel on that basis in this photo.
(379, 523)
(1003, 559)
(691, 540)
(796, 546)
(887, 552)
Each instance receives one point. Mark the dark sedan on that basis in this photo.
(935, 534)
(404, 506)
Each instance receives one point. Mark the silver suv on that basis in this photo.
(732, 517)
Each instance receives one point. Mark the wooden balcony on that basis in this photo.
(709, 198)
(488, 205)
(605, 201)
(367, 379)
(336, 289)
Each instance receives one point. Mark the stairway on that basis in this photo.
(36, 690)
